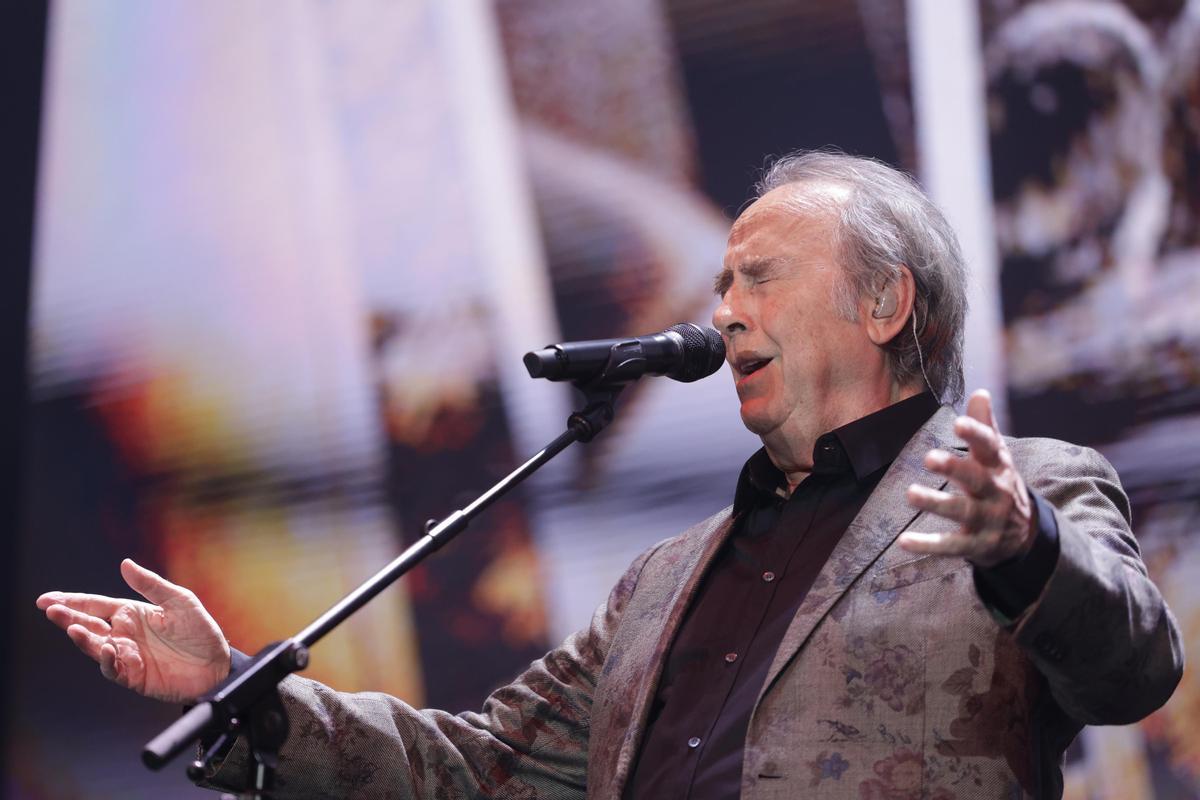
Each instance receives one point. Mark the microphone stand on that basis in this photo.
(248, 703)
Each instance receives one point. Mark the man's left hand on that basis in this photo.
(995, 516)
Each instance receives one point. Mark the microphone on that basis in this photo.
(685, 352)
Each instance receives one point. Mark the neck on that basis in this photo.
(790, 446)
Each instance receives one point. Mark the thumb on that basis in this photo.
(150, 585)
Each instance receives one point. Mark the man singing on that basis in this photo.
(899, 604)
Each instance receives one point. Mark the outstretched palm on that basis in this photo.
(169, 649)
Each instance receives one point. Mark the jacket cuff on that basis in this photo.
(237, 660)
(1012, 586)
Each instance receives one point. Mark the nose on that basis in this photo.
(730, 316)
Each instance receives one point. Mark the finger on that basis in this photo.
(110, 665)
(94, 604)
(941, 544)
(984, 442)
(64, 617)
(150, 585)
(966, 511)
(967, 473)
(86, 641)
(980, 407)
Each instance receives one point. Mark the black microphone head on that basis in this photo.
(703, 352)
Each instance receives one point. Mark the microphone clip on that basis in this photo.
(597, 411)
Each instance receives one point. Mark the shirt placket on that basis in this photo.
(771, 570)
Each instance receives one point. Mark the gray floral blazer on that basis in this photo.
(893, 682)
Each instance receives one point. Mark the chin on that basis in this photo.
(758, 422)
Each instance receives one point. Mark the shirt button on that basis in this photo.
(768, 576)
(730, 657)
(694, 742)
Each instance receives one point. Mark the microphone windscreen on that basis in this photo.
(703, 352)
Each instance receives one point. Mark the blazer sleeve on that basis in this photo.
(530, 740)
(1100, 632)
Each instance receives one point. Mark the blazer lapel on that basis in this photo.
(884, 516)
(679, 568)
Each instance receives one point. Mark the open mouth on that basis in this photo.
(748, 368)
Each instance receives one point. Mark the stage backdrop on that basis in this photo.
(288, 259)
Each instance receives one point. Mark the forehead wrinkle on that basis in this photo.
(811, 203)
(803, 240)
(808, 203)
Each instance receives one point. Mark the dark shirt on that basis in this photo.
(718, 662)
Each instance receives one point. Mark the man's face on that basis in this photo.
(792, 356)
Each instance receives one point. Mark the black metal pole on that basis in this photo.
(434, 539)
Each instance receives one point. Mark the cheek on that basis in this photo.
(789, 334)
(828, 339)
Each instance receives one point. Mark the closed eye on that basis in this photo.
(754, 272)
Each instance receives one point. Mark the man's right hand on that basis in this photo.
(170, 648)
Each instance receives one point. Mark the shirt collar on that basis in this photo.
(861, 447)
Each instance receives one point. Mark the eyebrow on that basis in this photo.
(755, 268)
(722, 281)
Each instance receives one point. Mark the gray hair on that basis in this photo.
(887, 221)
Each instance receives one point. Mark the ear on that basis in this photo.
(886, 314)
